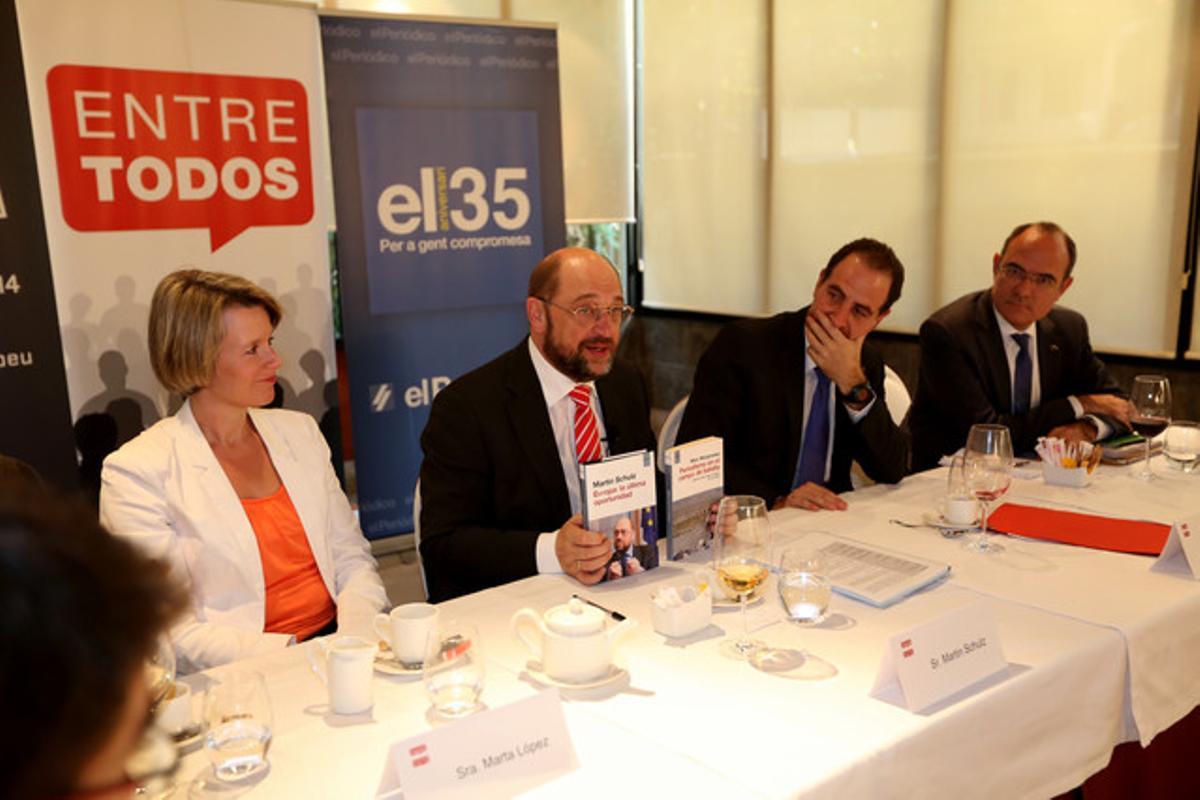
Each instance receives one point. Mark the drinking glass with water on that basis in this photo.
(454, 669)
(238, 711)
(803, 587)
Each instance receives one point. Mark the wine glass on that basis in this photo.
(989, 465)
(454, 669)
(740, 558)
(1151, 412)
(238, 711)
(160, 671)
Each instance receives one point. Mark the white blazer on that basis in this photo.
(165, 492)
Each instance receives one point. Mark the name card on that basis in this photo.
(938, 658)
(1181, 554)
(497, 753)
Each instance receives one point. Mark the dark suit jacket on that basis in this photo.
(749, 389)
(491, 481)
(965, 379)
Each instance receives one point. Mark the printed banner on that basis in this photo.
(35, 420)
(447, 164)
(172, 135)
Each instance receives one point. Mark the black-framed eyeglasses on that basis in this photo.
(1017, 273)
(617, 315)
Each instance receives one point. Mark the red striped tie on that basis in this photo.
(587, 434)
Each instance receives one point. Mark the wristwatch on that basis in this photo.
(859, 395)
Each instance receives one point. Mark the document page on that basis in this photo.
(871, 574)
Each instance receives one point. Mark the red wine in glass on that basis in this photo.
(1149, 426)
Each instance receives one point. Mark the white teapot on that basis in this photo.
(571, 641)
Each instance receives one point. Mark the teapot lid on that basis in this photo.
(575, 618)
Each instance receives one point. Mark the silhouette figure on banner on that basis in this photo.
(132, 410)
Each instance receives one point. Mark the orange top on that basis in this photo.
(297, 601)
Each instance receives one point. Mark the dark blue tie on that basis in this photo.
(810, 467)
(1022, 375)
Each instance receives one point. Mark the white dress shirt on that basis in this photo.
(556, 388)
(1011, 349)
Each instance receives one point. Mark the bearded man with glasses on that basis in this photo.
(499, 485)
(1009, 355)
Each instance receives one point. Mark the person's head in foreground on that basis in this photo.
(80, 613)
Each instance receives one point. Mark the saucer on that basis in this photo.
(615, 673)
(936, 520)
(753, 599)
(389, 666)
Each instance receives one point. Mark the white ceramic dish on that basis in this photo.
(936, 520)
(614, 674)
(389, 666)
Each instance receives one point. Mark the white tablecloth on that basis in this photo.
(690, 722)
(1101, 650)
(1158, 615)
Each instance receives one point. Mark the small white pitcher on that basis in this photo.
(346, 668)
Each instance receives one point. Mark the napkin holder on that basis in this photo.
(675, 621)
(1057, 475)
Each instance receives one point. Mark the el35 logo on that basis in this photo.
(402, 210)
(150, 150)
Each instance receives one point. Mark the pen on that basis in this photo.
(617, 615)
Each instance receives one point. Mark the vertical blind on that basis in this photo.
(935, 126)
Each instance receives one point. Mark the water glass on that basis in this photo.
(454, 669)
(959, 506)
(1181, 445)
(803, 588)
(238, 711)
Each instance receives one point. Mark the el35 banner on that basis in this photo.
(447, 165)
(173, 133)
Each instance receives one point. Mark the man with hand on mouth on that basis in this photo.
(799, 395)
(1009, 355)
(500, 480)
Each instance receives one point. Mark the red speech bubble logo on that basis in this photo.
(150, 150)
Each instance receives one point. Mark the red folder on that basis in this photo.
(1088, 530)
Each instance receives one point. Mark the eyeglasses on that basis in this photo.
(1017, 274)
(617, 315)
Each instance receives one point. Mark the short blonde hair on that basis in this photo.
(187, 324)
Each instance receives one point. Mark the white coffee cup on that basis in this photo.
(174, 714)
(959, 510)
(406, 629)
(349, 667)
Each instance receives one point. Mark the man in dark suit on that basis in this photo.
(499, 483)
(1008, 355)
(755, 387)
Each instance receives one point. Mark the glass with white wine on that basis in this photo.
(740, 558)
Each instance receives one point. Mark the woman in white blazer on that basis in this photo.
(241, 501)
